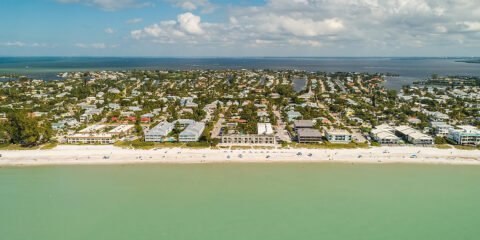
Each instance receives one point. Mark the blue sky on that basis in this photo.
(195, 28)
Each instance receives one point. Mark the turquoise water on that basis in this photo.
(410, 69)
(240, 201)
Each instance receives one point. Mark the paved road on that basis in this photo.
(281, 132)
(217, 127)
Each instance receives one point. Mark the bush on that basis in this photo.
(440, 140)
(375, 144)
(143, 145)
(198, 144)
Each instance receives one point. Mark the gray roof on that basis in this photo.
(162, 128)
(194, 129)
(310, 132)
(303, 123)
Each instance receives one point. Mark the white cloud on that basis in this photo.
(133, 20)
(16, 44)
(190, 5)
(471, 26)
(92, 45)
(187, 28)
(110, 5)
(190, 23)
(109, 31)
(325, 26)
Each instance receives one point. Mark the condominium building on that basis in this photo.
(264, 129)
(88, 138)
(440, 129)
(250, 139)
(465, 135)
(413, 136)
(309, 135)
(384, 134)
(192, 132)
(297, 124)
(121, 130)
(159, 132)
(338, 136)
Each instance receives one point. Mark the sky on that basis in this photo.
(219, 28)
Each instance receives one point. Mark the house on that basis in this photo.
(264, 129)
(384, 134)
(292, 115)
(297, 124)
(192, 132)
(93, 129)
(159, 132)
(338, 136)
(121, 130)
(465, 135)
(440, 129)
(414, 120)
(58, 125)
(184, 122)
(308, 135)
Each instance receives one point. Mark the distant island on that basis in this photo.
(470, 61)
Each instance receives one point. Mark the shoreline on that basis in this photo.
(95, 155)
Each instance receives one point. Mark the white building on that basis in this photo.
(338, 136)
(159, 132)
(92, 129)
(121, 130)
(192, 132)
(440, 129)
(413, 136)
(264, 129)
(465, 135)
(87, 138)
(384, 134)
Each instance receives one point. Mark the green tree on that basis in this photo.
(23, 129)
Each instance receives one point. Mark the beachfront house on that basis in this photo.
(440, 129)
(465, 135)
(338, 136)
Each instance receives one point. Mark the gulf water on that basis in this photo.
(240, 201)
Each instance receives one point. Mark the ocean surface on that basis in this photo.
(409, 69)
(241, 201)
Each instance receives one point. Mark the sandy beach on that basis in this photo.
(106, 155)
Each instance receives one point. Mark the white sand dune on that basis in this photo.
(106, 155)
